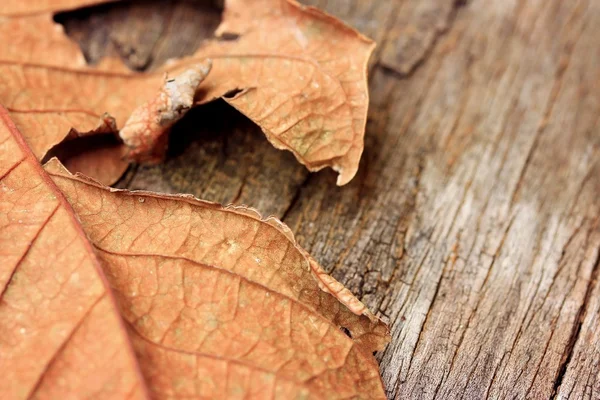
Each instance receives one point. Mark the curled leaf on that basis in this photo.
(221, 302)
(145, 130)
(306, 78)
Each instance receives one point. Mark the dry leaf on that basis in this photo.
(221, 303)
(217, 301)
(302, 74)
(61, 333)
(305, 78)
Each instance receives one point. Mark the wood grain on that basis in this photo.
(473, 225)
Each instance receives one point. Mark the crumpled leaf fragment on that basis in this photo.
(222, 303)
(145, 131)
(61, 333)
(302, 76)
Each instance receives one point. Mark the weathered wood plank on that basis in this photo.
(473, 224)
(580, 374)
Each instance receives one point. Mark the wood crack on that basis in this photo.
(562, 68)
(485, 280)
(296, 197)
(568, 353)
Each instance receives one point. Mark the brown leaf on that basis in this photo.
(302, 74)
(305, 78)
(61, 333)
(223, 303)
(218, 302)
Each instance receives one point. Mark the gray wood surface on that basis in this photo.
(473, 225)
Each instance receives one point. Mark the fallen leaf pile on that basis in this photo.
(109, 293)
